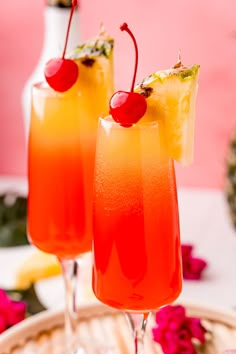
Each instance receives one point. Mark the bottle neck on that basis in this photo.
(59, 3)
(55, 27)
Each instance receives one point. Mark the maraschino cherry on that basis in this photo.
(127, 108)
(60, 73)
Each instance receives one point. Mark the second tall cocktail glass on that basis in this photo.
(60, 169)
(136, 249)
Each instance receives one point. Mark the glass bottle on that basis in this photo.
(56, 16)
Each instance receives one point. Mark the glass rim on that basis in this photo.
(107, 121)
(43, 89)
(40, 85)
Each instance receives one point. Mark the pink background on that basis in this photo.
(204, 30)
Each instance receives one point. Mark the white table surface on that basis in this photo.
(205, 223)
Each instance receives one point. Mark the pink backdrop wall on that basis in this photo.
(204, 30)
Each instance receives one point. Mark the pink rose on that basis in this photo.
(11, 312)
(174, 331)
(192, 266)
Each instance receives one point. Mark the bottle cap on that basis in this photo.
(59, 3)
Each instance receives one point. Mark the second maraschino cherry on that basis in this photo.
(127, 108)
(61, 73)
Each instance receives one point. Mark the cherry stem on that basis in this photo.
(74, 4)
(125, 27)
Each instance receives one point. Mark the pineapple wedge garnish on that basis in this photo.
(96, 73)
(37, 266)
(171, 99)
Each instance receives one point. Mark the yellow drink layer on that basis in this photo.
(55, 117)
(146, 158)
(171, 98)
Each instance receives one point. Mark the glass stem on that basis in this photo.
(138, 323)
(70, 271)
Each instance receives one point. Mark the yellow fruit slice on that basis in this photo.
(38, 266)
(95, 84)
(171, 98)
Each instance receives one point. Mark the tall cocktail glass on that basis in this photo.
(61, 156)
(136, 246)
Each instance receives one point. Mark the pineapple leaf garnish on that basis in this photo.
(93, 48)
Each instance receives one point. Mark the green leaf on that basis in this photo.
(13, 221)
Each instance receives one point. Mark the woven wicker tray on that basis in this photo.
(109, 326)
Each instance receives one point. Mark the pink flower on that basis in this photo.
(186, 251)
(192, 266)
(174, 331)
(2, 324)
(16, 312)
(11, 312)
(196, 329)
